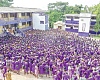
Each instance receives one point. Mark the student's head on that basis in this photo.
(8, 71)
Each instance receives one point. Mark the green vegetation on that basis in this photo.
(6, 3)
(97, 37)
(97, 11)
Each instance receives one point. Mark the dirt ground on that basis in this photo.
(27, 77)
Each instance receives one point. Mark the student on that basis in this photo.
(1, 75)
(36, 71)
(4, 71)
(65, 76)
(8, 75)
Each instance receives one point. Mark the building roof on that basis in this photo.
(77, 15)
(71, 14)
(59, 22)
(19, 9)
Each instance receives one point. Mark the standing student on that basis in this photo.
(8, 75)
(25, 67)
(36, 71)
(1, 75)
(4, 71)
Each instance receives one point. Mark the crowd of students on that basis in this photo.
(60, 54)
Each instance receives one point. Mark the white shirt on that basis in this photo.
(1, 75)
(36, 70)
(89, 62)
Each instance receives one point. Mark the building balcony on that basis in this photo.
(11, 18)
(77, 22)
(7, 21)
(26, 28)
(24, 19)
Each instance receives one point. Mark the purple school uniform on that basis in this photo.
(92, 78)
(97, 77)
(4, 70)
(61, 65)
(87, 74)
(66, 67)
(54, 72)
(17, 67)
(33, 68)
(13, 65)
(30, 66)
(41, 70)
(65, 77)
(59, 76)
(26, 66)
(75, 78)
(46, 69)
(55, 77)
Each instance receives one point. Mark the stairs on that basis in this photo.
(19, 33)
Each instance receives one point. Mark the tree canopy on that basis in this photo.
(6, 3)
(97, 11)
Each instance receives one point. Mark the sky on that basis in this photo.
(43, 3)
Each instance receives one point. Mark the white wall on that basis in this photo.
(55, 26)
(36, 21)
(84, 23)
(0, 16)
(19, 15)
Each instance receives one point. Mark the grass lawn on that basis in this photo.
(97, 37)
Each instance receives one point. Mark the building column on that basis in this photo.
(1, 29)
(9, 16)
(26, 15)
(0, 16)
(20, 25)
(19, 15)
(27, 24)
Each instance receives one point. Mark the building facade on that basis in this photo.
(12, 18)
(72, 22)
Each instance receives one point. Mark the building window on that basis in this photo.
(28, 14)
(93, 17)
(12, 14)
(23, 14)
(69, 17)
(4, 15)
(76, 17)
(24, 23)
(29, 23)
(41, 22)
(68, 25)
(75, 27)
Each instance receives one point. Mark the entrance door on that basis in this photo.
(59, 27)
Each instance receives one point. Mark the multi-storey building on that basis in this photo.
(72, 22)
(12, 18)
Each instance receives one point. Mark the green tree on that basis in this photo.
(97, 25)
(60, 6)
(77, 9)
(95, 9)
(56, 11)
(6, 3)
(54, 16)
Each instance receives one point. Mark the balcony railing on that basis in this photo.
(7, 21)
